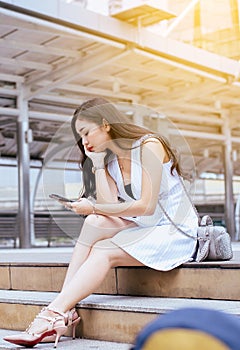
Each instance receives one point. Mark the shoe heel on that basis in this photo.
(74, 325)
(59, 332)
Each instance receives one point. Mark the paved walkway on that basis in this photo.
(66, 343)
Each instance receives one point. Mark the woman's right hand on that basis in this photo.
(96, 157)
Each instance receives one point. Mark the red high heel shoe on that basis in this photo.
(56, 326)
(72, 321)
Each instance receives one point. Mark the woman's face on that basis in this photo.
(95, 138)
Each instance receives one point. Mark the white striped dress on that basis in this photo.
(155, 242)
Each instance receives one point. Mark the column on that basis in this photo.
(138, 117)
(23, 171)
(228, 175)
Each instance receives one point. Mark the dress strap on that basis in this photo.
(147, 136)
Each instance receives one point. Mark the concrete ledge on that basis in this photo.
(44, 270)
(5, 281)
(188, 281)
(201, 282)
(49, 278)
(110, 318)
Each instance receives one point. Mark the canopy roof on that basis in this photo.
(56, 55)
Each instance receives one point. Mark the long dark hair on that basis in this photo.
(98, 109)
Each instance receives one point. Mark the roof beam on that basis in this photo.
(182, 66)
(196, 119)
(202, 108)
(199, 135)
(81, 67)
(183, 95)
(24, 45)
(9, 111)
(59, 98)
(66, 118)
(34, 22)
(8, 92)
(50, 116)
(56, 72)
(229, 100)
(25, 64)
(11, 78)
(99, 91)
(130, 81)
(112, 31)
(198, 91)
(159, 72)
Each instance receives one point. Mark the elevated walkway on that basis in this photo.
(128, 299)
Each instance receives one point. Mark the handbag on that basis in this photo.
(214, 242)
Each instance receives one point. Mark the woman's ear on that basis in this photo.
(106, 125)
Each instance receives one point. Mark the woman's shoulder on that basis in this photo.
(148, 138)
(153, 143)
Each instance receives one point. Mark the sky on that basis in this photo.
(100, 6)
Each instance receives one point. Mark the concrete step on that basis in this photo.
(205, 280)
(68, 343)
(104, 317)
(43, 269)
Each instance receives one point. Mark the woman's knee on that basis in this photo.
(114, 255)
(107, 251)
(99, 221)
(95, 228)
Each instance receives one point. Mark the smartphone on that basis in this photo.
(60, 198)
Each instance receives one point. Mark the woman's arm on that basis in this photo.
(153, 155)
(105, 187)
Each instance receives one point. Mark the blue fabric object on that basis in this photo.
(221, 325)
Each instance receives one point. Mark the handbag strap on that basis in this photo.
(190, 200)
(173, 223)
(161, 139)
(184, 188)
(193, 206)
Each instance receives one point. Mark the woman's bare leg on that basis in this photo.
(103, 256)
(95, 228)
(92, 273)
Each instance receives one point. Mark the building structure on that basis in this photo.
(54, 55)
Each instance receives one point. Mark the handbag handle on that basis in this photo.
(206, 221)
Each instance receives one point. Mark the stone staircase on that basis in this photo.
(128, 299)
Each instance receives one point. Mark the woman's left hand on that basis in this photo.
(82, 207)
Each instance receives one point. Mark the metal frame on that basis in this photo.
(49, 77)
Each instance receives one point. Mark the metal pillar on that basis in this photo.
(23, 171)
(138, 118)
(228, 176)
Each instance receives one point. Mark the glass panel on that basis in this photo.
(215, 15)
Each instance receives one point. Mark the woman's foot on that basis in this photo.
(72, 321)
(47, 323)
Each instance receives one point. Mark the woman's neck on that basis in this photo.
(121, 152)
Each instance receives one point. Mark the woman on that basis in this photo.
(133, 174)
